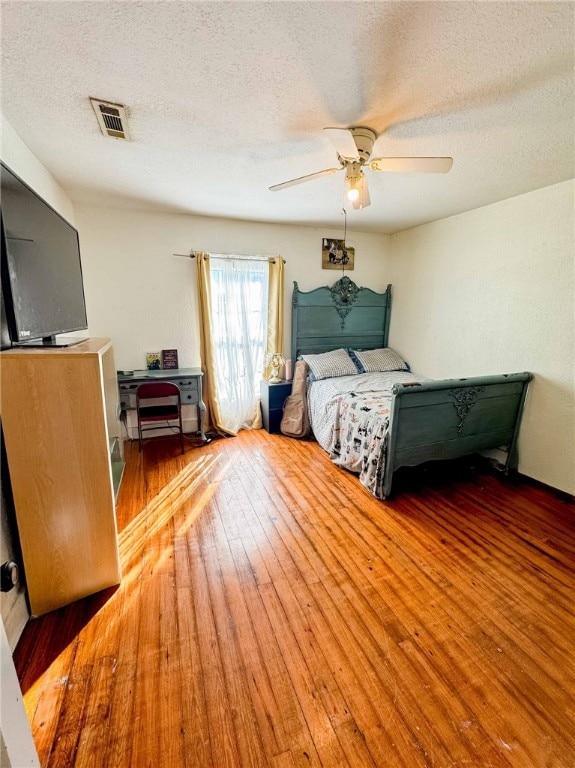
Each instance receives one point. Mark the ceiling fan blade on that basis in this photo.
(301, 179)
(411, 164)
(364, 199)
(342, 140)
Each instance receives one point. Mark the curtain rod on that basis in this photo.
(246, 257)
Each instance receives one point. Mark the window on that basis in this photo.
(239, 304)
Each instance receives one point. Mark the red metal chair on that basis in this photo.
(159, 415)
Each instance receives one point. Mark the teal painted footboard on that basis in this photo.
(453, 417)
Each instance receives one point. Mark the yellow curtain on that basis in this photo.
(274, 336)
(275, 332)
(213, 414)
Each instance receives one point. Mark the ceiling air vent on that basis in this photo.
(112, 119)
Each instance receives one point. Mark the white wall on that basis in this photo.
(17, 156)
(17, 749)
(144, 298)
(492, 291)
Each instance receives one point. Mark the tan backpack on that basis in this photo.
(295, 419)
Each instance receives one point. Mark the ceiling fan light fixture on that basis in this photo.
(353, 176)
(352, 191)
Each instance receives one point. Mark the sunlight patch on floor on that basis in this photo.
(163, 507)
(138, 548)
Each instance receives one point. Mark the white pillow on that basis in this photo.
(375, 360)
(330, 364)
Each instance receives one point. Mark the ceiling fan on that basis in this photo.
(354, 147)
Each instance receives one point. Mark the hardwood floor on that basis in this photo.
(272, 613)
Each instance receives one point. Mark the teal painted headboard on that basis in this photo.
(342, 315)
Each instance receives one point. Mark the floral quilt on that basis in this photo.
(350, 420)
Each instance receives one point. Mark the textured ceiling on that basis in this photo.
(226, 99)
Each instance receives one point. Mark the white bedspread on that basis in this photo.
(350, 418)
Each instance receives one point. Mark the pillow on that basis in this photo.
(329, 364)
(375, 360)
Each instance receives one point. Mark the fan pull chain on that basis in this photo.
(344, 249)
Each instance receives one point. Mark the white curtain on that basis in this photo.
(239, 307)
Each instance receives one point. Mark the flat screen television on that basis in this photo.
(42, 285)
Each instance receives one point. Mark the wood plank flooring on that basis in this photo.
(273, 614)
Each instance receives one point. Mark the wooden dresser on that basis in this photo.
(60, 417)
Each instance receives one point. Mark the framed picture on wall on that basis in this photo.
(335, 254)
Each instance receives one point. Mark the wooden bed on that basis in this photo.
(439, 419)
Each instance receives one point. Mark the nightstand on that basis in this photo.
(272, 397)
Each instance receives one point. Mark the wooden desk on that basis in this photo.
(188, 380)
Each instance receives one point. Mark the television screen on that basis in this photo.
(41, 268)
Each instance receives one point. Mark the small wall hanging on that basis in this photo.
(335, 254)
